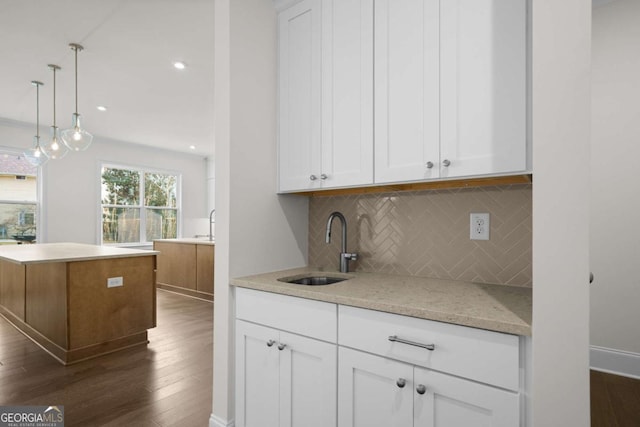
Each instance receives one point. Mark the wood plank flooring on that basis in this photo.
(615, 400)
(167, 383)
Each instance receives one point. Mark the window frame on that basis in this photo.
(39, 223)
(141, 208)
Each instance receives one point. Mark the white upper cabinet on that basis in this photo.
(407, 98)
(326, 94)
(299, 96)
(347, 93)
(388, 91)
(483, 87)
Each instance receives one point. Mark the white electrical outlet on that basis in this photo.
(479, 227)
(114, 282)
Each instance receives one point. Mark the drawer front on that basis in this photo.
(310, 318)
(484, 356)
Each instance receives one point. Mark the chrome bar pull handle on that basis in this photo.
(394, 338)
(401, 382)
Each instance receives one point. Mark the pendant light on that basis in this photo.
(36, 156)
(55, 148)
(76, 138)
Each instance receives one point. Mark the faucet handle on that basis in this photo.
(350, 256)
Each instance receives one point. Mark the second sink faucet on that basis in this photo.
(345, 256)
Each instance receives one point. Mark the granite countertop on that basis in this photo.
(65, 252)
(189, 240)
(493, 307)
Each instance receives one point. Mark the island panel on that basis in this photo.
(46, 301)
(98, 314)
(12, 288)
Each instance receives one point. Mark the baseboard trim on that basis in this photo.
(614, 361)
(215, 421)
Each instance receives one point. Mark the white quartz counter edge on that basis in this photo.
(66, 252)
(498, 308)
(188, 240)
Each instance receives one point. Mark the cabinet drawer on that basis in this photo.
(484, 356)
(314, 319)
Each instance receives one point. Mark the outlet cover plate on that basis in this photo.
(479, 226)
(114, 282)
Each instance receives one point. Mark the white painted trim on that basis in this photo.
(215, 421)
(281, 5)
(614, 361)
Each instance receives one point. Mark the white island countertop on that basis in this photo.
(498, 308)
(66, 252)
(189, 240)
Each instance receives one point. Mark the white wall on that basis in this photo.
(71, 186)
(256, 230)
(615, 195)
(561, 46)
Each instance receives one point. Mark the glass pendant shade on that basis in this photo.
(76, 138)
(55, 148)
(36, 156)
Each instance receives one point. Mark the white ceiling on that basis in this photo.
(126, 65)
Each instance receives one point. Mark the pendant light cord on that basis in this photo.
(38, 112)
(54, 96)
(75, 48)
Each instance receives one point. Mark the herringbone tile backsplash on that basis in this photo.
(426, 233)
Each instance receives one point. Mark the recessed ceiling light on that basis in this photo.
(180, 65)
(193, 147)
(101, 108)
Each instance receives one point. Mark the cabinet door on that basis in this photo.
(257, 375)
(407, 100)
(205, 259)
(299, 96)
(347, 92)
(307, 382)
(368, 391)
(452, 402)
(176, 264)
(483, 86)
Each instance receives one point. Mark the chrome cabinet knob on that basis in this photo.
(323, 176)
(590, 277)
(446, 163)
(429, 165)
(401, 382)
(281, 346)
(421, 389)
(270, 343)
(313, 177)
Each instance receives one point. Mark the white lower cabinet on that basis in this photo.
(286, 361)
(304, 363)
(374, 391)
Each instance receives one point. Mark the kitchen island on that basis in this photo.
(78, 301)
(185, 266)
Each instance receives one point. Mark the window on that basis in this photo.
(138, 205)
(18, 198)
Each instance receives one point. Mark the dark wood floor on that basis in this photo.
(167, 383)
(615, 401)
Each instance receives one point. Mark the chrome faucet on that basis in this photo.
(345, 256)
(211, 224)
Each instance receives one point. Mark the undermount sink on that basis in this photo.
(313, 280)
